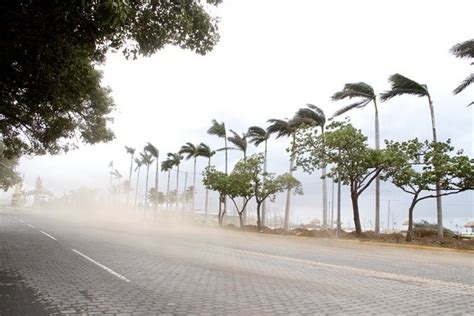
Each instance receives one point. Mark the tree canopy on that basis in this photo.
(50, 89)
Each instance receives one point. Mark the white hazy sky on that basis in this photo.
(274, 57)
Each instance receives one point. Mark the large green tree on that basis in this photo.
(50, 88)
(401, 85)
(314, 116)
(364, 95)
(346, 149)
(8, 175)
(416, 168)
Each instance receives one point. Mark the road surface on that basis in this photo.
(52, 264)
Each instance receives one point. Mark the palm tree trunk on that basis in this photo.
(338, 227)
(288, 190)
(194, 184)
(136, 189)
(129, 180)
(177, 187)
(156, 185)
(439, 207)
(168, 190)
(377, 180)
(185, 193)
(263, 185)
(207, 197)
(225, 146)
(325, 191)
(146, 190)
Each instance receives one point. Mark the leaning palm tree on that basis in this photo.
(205, 151)
(155, 153)
(315, 117)
(166, 166)
(258, 135)
(401, 85)
(286, 128)
(176, 161)
(147, 160)
(364, 93)
(239, 141)
(130, 151)
(218, 129)
(464, 50)
(191, 151)
(139, 164)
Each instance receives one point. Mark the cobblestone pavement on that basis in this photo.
(50, 265)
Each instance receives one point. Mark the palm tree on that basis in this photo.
(167, 165)
(139, 164)
(176, 160)
(155, 153)
(191, 151)
(239, 141)
(258, 135)
(464, 50)
(219, 130)
(147, 161)
(130, 151)
(205, 151)
(364, 94)
(315, 117)
(286, 128)
(401, 85)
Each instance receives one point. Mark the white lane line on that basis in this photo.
(102, 266)
(48, 235)
(465, 287)
(30, 225)
(21, 221)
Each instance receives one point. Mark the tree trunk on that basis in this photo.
(156, 185)
(146, 190)
(194, 185)
(410, 218)
(136, 189)
(355, 210)
(325, 191)
(338, 225)
(259, 221)
(129, 180)
(377, 180)
(439, 207)
(263, 185)
(241, 219)
(288, 191)
(168, 190)
(207, 198)
(185, 193)
(226, 171)
(177, 187)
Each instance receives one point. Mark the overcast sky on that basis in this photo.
(274, 57)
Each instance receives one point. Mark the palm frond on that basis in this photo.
(311, 115)
(167, 165)
(152, 150)
(355, 90)
(190, 150)
(466, 82)
(130, 150)
(279, 127)
(217, 129)
(349, 107)
(205, 151)
(464, 49)
(401, 85)
(257, 135)
(146, 158)
(175, 158)
(239, 141)
(138, 162)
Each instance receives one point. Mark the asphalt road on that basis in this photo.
(53, 264)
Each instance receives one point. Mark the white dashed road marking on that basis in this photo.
(21, 221)
(30, 225)
(48, 235)
(102, 266)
